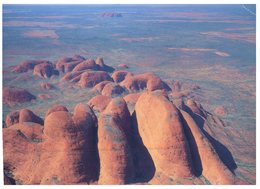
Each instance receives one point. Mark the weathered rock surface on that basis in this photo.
(91, 78)
(67, 64)
(116, 163)
(99, 102)
(12, 118)
(26, 115)
(28, 65)
(56, 108)
(16, 95)
(196, 108)
(88, 64)
(45, 70)
(112, 89)
(161, 130)
(99, 87)
(65, 152)
(148, 81)
(103, 66)
(120, 75)
(205, 157)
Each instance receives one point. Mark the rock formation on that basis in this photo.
(148, 81)
(99, 102)
(28, 65)
(112, 89)
(16, 95)
(56, 108)
(24, 115)
(45, 70)
(91, 78)
(120, 75)
(161, 130)
(88, 64)
(67, 64)
(12, 118)
(204, 156)
(136, 128)
(116, 163)
(65, 152)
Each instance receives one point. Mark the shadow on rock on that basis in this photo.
(144, 165)
(222, 151)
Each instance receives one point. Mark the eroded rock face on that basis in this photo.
(45, 70)
(100, 86)
(89, 64)
(112, 89)
(26, 115)
(72, 76)
(103, 66)
(12, 118)
(205, 157)
(148, 81)
(120, 75)
(116, 164)
(99, 102)
(144, 137)
(91, 78)
(131, 100)
(28, 65)
(32, 131)
(56, 108)
(65, 152)
(196, 108)
(67, 64)
(161, 130)
(16, 95)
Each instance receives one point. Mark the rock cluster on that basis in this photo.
(135, 128)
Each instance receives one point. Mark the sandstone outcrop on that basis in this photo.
(148, 81)
(26, 115)
(67, 64)
(45, 70)
(116, 163)
(161, 130)
(204, 156)
(112, 89)
(99, 102)
(88, 64)
(28, 65)
(56, 108)
(64, 152)
(120, 75)
(91, 78)
(12, 118)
